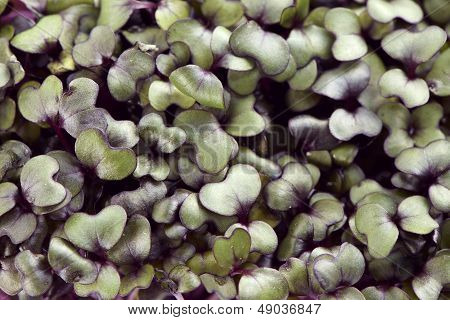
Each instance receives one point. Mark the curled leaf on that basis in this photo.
(201, 85)
(69, 264)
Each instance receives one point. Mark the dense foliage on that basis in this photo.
(253, 149)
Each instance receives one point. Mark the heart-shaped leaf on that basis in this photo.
(77, 21)
(311, 133)
(96, 232)
(346, 81)
(193, 176)
(155, 133)
(223, 56)
(296, 274)
(304, 77)
(17, 226)
(326, 215)
(264, 240)
(213, 146)
(343, 179)
(386, 11)
(154, 166)
(290, 189)
(206, 263)
(122, 133)
(263, 284)
(178, 56)
(105, 287)
(115, 13)
(300, 232)
(310, 42)
(73, 110)
(344, 24)
(266, 11)
(153, 35)
(134, 245)
(425, 44)
(141, 200)
(249, 40)
(437, 79)
(222, 12)
(165, 209)
(374, 220)
(421, 161)
(196, 37)
(236, 194)
(163, 94)
(132, 66)
(96, 49)
(175, 231)
(381, 293)
(9, 277)
(412, 92)
(48, 97)
(184, 278)
(34, 273)
(77, 111)
(13, 155)
(343, 265)
(70, 173)
(109, 163)
(407, 130)
(243, 120)
(366, 187)
(7, 113)
(413, 213)
(141, 279)
(434, 277)
(41, 37)
(263, 165)
(8, 196)
(38, 185)
(232, 250)
(170, 11)
(69, 264)
(224, 287)
(430, 166)
(193, 215)
(345, 125)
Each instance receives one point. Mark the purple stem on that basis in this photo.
(178, 296)
(61, 137)
(136, 5)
